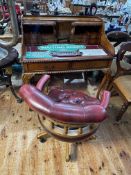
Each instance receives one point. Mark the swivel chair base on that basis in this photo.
(67, 133)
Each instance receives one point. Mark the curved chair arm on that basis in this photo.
(41, 83)
(64, 112)
(125, 46)
(105, 99)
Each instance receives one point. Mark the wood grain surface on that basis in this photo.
(22, 154)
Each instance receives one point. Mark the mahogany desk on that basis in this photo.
(88, 30)
(65, 64)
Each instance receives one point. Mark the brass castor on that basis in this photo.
(68, 158)
(43, 136)
(42, 139)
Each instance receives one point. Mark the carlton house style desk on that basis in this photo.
(48, 40)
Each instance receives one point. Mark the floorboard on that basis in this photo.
(109, 153)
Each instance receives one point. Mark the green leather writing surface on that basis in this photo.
(62, 47)
(34, 55)
(45, 51)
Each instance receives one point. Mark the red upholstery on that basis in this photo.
(65, 105)
(71, 97)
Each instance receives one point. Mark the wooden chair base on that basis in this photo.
(67, 133)
(71, 148)
(43, 136)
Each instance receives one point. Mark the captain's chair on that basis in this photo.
(67, 115)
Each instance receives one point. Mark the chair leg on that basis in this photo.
(122, 111)
(71, 151)
(19, 100)
(68, 156)
(110, 87)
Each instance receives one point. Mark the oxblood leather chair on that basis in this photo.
(67, 115)
(7, 58)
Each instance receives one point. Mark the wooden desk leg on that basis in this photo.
(105, 83)
(26, 78)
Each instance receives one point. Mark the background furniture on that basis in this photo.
(7, 58)
(122, 79)
(118, 37)
(76, 8)
(67, 115)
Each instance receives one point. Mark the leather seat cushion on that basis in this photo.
(71, 97)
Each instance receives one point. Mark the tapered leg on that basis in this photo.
(71, 151)
(122, 111)
(68, 155)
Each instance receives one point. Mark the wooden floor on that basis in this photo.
(22, 154)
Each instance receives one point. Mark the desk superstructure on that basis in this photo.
(84, 30)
